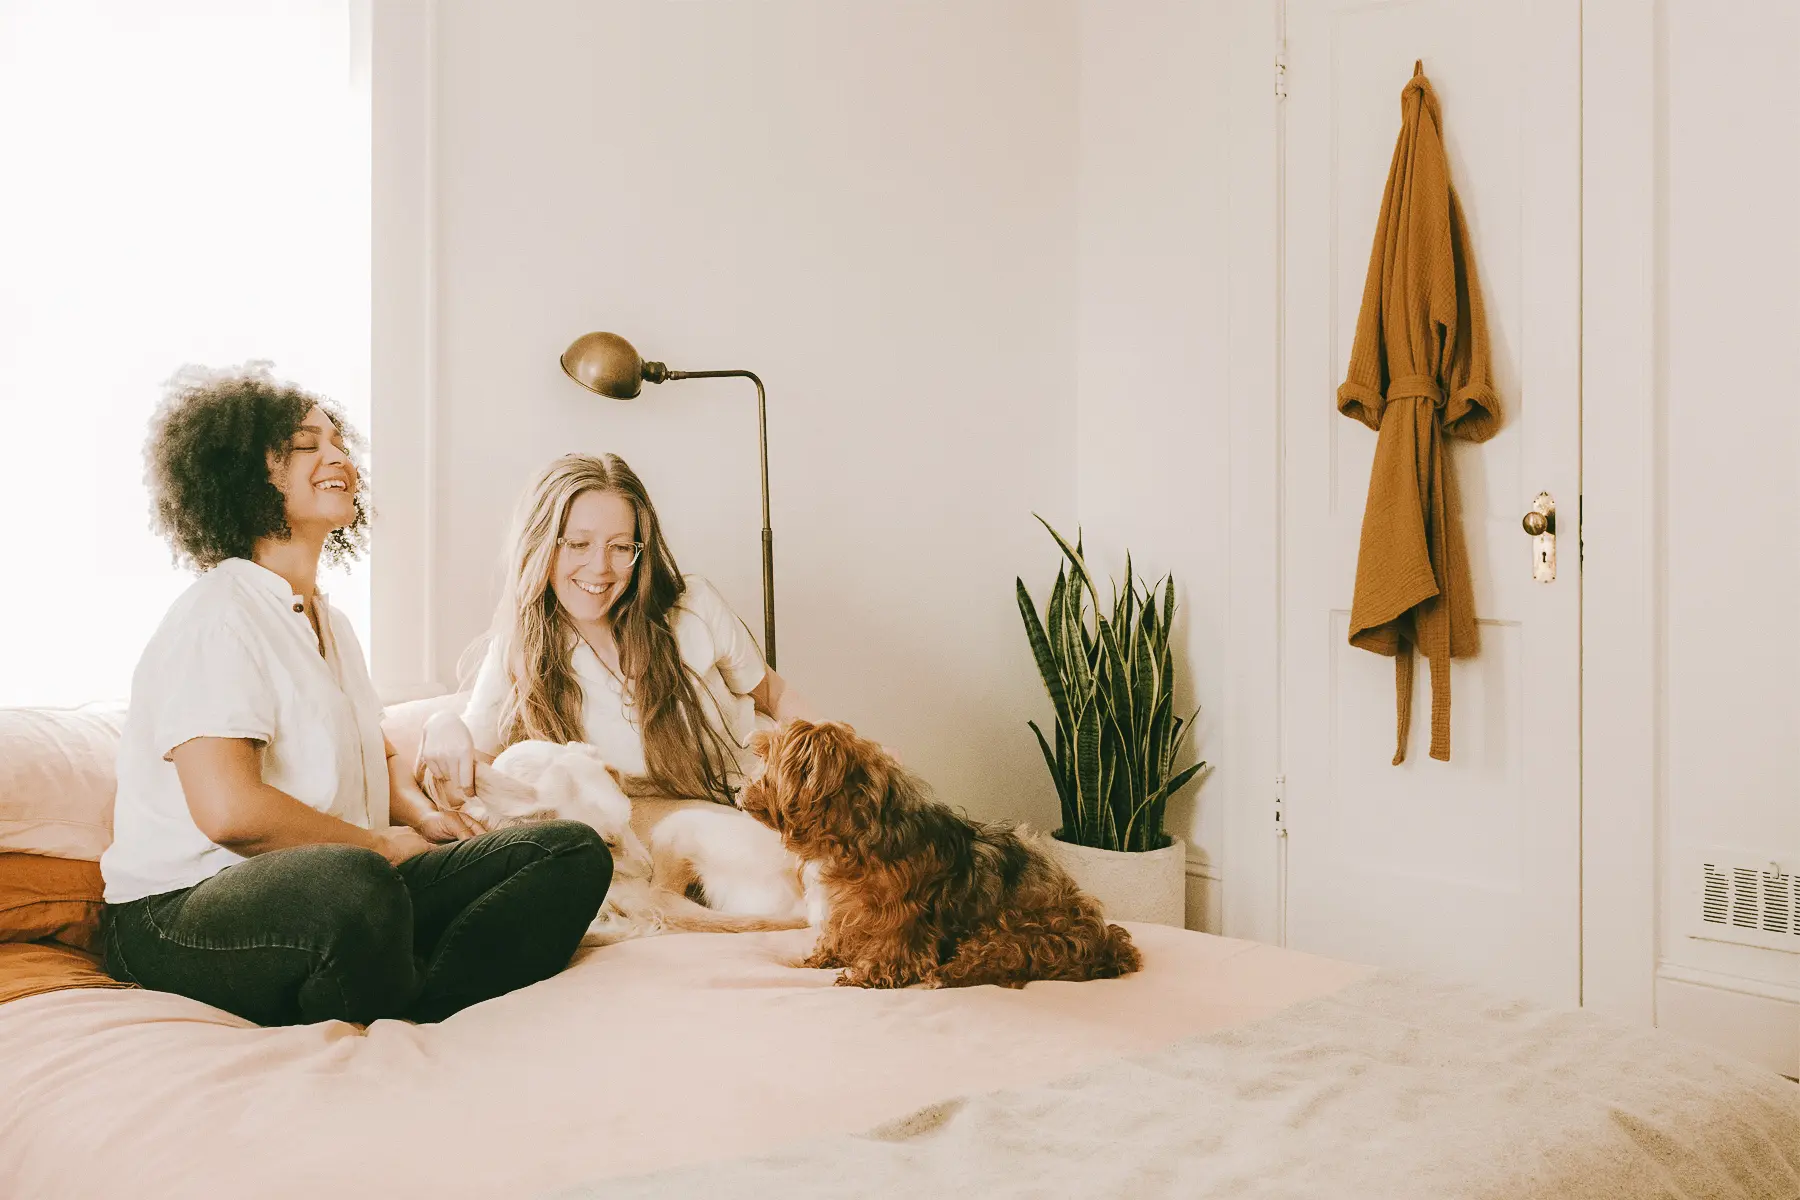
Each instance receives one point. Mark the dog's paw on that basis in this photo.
(877, 976)
(820, 960)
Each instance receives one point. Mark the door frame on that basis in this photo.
(1620, 507)
(1250, 893)
(1623, 476)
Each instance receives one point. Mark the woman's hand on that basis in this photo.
(447, 755)
(397, 843)
(408, 804)
(441, 826)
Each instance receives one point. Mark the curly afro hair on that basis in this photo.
(207, 464)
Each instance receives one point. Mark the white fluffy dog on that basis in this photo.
(662, 849)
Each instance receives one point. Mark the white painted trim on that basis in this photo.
(1197, 868)
(1251, 737)
(1622, 678)
(404, 433)
(1705, 1007)
(1200, 898)
(1743, 985)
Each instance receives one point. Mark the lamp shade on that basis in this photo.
(604, 363)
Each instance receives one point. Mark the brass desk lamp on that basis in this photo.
(607, 364)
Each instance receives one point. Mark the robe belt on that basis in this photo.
(1420, 387)
(1416, 387)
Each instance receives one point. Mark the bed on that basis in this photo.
(705, 1065)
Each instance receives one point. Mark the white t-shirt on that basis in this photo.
(712, 642)
(236, 657)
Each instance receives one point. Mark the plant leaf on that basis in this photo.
(1053, 624)
(1146, 691)
(1129, 596)
(1087, 764)
(1080, 670)
(1073, 554)
(1175, 782)
(1040, 650)
(1056, 773)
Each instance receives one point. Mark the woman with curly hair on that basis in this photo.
(270, 855)
(599, 638)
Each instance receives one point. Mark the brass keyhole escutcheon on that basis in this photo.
(1540, 523)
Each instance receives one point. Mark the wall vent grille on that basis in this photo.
(1751, 903)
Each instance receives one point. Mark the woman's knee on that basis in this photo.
(356, 894)
(366, 968)
(565, 837)
(586, 856)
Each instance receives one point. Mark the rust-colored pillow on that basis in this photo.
(50, 899)
(32, 968)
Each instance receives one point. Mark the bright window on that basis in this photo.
(187, 181)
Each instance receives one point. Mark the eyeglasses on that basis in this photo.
(620, 556)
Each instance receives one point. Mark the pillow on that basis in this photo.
(54, 899)
(28, 969)
(56, 779)
(404, 723)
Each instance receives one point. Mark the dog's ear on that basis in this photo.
(836, 785)
(586, 791)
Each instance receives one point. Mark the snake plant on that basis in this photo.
(1111, 680)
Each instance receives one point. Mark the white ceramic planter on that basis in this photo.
(1147, 886)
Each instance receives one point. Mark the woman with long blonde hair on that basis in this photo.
(599, 638)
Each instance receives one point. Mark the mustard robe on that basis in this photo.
(1419, 373)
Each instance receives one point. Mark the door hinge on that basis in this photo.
(1281, 73)
(1281, 806)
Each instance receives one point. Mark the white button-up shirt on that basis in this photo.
(236, 657)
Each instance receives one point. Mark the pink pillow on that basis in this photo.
(56, 779)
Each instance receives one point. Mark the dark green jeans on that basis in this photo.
(321, 933)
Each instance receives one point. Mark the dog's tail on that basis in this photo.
(1119, 955)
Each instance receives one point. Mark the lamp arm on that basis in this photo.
(656, 373)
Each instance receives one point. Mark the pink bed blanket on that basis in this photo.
(641, 1056)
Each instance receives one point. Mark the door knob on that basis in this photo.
(1540, 523)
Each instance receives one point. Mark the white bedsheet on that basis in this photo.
(641, 1056)
(1394, 1088)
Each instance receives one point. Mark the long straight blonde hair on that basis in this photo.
(684, 753)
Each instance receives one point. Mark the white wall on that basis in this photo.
(872, 205)
(1728, 256)
(1048, 202)
(1153, 369)
(1030, 196)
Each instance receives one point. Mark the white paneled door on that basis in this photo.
(1469, 868)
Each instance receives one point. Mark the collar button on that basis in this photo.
(299, 606)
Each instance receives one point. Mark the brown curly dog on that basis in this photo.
(916, 893)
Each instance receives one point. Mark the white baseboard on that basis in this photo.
(1754, 1020)
(1203, 894)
